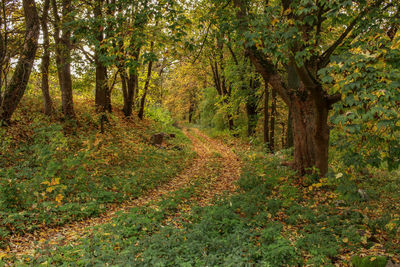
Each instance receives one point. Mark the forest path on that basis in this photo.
(210, 152)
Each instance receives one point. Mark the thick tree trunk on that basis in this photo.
(309, 105)
(16, 89)
(266, 113)
(63, 57)
(289, 131)
(272, 127)
(44, 67)
(102, 95)
(311, 136)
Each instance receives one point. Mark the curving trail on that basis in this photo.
(209, 151)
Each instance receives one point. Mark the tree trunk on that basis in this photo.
(251, 108)
(266, 113)
(3, 49)
(289, 131)
(191, 111)
(63, 57)
(128, 89)
(16, 89)
(311, 136)
(146, 88)
(44, 67)
(309, 104)
(272, 127)
(102, 95)
(283, 135)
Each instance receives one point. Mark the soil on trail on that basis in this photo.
(207, 150)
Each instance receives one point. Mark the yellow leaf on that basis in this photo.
(50, 189)
(345, 240)
(55, 181)
(59, 198)
(287, 11)
(274, 21)
(46, 182)
(372, 258)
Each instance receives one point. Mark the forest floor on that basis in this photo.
(214, 160)
(72, 196)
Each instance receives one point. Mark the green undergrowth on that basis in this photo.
(273, 220)
(53, 172)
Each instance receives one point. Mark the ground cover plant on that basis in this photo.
(272, 220)
(54, 173)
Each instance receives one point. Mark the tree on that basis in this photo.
(62, 37)
(103, 94)
(44, 67)
(16, 88)
(146, 84)
(303, 39)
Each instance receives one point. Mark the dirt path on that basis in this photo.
(206, 149)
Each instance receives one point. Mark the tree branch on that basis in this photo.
(324, 58)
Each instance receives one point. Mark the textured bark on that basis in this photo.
(102, 94)
(44, 67)
(289, 131)
(266, 113)
(311, 138)
(16, 89)
(63, 56)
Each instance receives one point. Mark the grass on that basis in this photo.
(271, 221)
(53, 172)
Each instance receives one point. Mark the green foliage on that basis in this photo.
(370, 261)
(52, 177)
(160, 115)
(271, 221)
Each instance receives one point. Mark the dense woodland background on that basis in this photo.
(305, 92)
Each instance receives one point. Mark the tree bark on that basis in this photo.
(146, 87)
(251, 107)
(272, 126)
(3, 49)
(266, 113)
(16, 89)
(102, 95)
(311, 136)
(44, 67)
(128, 90)
(63, 56)
(289, 131)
